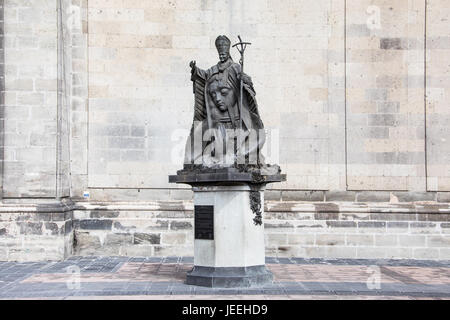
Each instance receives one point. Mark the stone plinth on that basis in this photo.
(229, 232)
(235, 255)
(36, 232)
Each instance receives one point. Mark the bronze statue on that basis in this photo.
(224, 165)
(226, 117)
(227, 134)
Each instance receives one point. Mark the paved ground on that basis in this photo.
(163, 278)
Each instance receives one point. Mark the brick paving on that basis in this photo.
(163, 278)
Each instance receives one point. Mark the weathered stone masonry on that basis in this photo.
(93, 94)
(36, 231)
(292, 228)
(349, 230)
(2, 95)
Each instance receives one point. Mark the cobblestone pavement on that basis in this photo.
(163, 278)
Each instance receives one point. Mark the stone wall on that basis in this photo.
(140, 97)
(385, 96)
(146, 229)
(164, 228)
(358, 230)
(347, 78)
(437, 96)
(36, 232)
(2, 94)
(30, 105)
(96, 103)
(300, 229)
(100, 91)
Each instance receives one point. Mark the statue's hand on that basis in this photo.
(192, 64)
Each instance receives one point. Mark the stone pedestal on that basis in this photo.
(229, 231)
(235, 255)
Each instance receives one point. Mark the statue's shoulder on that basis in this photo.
(214, 69)
(235, 64)
(236, 67)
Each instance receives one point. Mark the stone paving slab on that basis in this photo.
(158, 277)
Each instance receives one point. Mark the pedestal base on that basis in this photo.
(229, 245)
(228, 227)
(229, 277)
(230, 237)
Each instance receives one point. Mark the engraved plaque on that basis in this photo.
(204, 222)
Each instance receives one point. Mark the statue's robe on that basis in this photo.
(252, 137)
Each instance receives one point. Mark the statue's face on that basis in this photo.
(223, 48)
(223, 55)
(222, 95)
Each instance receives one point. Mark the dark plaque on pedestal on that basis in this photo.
(204, 222)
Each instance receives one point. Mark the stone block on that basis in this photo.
(301, 239)
(438, 241)
(370, 253)
(42, 140)
(392, 44)
(438, 217)
(315, 227)
(285, 251)
(133, 155)
(126, 143)
(137, 131)
(118, 239)
(279, 226)
(45, 84)
(444, 253)
(328, 252)
(393, 216)
(147, 238)
(275, 240)
(355, 216)
(330, 239)
(180, 194)
(173, 238)
(288, 195)
(423, 227)
(340, 196)
(415, 196)
(95, 224)
(359, 240)
(341, 224)
(373, 196)
(181, 225)
(190, 42)
(103, 214)
(412, 240)
(372, 224)
(85, 243)
(399, 253)
(386, 240)
(19, 84)
(272, 195)
(443, 196)
(30, 99)
(158, 41)
(426, 253)
(51, 228)
(397, 225)
(357, 30)
(30, 227)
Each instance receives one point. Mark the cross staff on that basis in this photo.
(241, 46)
